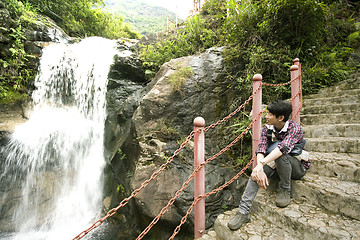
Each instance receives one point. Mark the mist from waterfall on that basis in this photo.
(54, 161)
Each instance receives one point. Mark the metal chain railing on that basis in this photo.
(170, 159)
(183, 220)
(155, 174)
(135, 192)
(163, 211)
(280, 84)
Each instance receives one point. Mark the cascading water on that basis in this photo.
(55, 160)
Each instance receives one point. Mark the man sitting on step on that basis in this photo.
(281, 143)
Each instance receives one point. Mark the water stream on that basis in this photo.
(54, 162)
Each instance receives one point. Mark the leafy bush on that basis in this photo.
(15, 74)
(193, 38)
(264, 37)
(77, 17)
(80, 17)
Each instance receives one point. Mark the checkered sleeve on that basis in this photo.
(294, 135)
(263, 143)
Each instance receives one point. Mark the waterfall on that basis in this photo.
(54, 162)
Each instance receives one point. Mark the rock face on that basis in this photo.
(125, 90)
(163, 120)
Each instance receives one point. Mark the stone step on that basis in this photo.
(352, 83)
(336, 196)
(345, 167)
(333, 130)
(300, 220)
(331, 109)
(258, 228)
(340, 118)
(304, 219)
(333, 144)
(347, 97)
(334, 93)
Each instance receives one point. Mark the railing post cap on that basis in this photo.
(294, 67)
(296, 60)
(257, 77)
(199, 122)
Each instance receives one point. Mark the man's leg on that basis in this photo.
(287, 167)
(243, 216)
(251, 191)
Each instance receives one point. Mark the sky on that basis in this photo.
(181, 6)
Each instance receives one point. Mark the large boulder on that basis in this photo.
(164, 119)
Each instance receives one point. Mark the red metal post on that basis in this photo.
(199, 178)
(297, 63)
(295, 88)
(256, 108)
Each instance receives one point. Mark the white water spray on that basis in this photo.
(58, 154)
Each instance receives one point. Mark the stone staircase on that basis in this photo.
(326, 202)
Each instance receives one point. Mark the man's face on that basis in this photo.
(271, 119)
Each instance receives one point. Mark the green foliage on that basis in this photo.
(295, 23)
(121, 155)
(193, 38)
(77, 17)
(144, 18)
(178, 78)
(265, 37)
(15, 76)
(120, 188)
(80, 17)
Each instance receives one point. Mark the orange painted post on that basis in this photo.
(199, 178)
(295, 87)
(256, 109)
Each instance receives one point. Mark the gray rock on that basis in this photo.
(163, 119)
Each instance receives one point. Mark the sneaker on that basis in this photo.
(238, 220)
(282, 198)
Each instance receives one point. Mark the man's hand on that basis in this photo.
(259, 176)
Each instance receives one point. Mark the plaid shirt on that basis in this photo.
(289, 135)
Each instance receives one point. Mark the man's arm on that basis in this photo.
(258, 173)
(276, 153)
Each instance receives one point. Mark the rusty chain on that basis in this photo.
(196, 200)
(279, 84)
(177, 194)
(137, 191)
(170, 159)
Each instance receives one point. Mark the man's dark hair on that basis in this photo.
(280, 108)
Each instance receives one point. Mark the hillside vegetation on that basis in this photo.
(259, 37)
(265, 36)
(143, 18)
(75, 17)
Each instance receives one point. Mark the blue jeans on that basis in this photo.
(287, 168)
